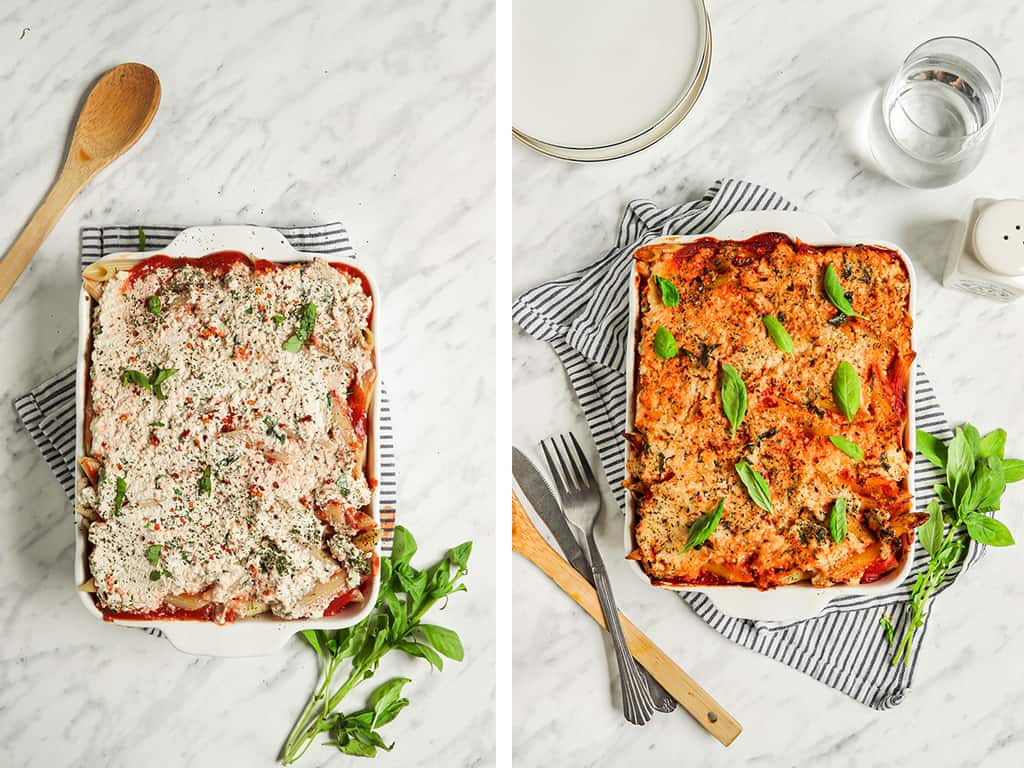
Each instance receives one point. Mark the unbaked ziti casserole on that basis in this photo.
(226, 438)
(769, 441)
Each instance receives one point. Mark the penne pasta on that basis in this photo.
(324, 592)
(188, 602)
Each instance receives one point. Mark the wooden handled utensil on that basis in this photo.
(119, 109)
(527, 541)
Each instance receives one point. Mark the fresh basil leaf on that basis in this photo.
(153, 554)
(310, 636)
(120, 488)
(390, 713)
(930, 534)
(135, 377)
(160, 375)
(665, 345)
(205, 485)
(1013, 470)
(403, 546)
(850, 449)
(837, 295)
(385, 695)
(778, 333)
(837, 520)
(154, 575)
(973, 438)
(992, 444)
(944, 494)
(423, 652)
(931, 448)
(460, 554)
(357, 748)
(154, 305)
(846, 390)
(959, 467)
(987, 485)
(445, 641)
(278, 319)
(987, 530)
(734, 396)
(303, 331)
(703, 527)
(756, 485)
(669, 292)
(142, 239)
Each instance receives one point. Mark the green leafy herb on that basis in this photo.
(160, 375)
(342, 483)
(205, 485)
(850, 449)
(756, 485)
(156, 424)
(734, 397)
(703, 527)
(303, 331)
(931, 448)
(154, 575)
(406, 595)
(665, 345)
(154, 305)
(272, 429)
(135, 377)
(890, 630)
(669, 292)
(846, 390)
(278, 319)
(837, 295)
(153, 554)
(120, 488)
(837, 520)
(142, 239)
(778, 333)
(976, 477)
(1013, 470)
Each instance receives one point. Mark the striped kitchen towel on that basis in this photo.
(48, 411)
(584, 317)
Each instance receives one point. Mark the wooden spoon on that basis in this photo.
(118, 111)
(527, 541)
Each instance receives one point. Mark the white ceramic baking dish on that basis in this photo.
(801, 600)
(259, 635)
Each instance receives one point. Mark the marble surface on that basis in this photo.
(377, 114)
(776, 110)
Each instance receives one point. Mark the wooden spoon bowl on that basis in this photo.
(117, 112)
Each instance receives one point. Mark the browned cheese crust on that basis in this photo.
(682, 458)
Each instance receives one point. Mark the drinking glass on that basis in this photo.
(930, 124)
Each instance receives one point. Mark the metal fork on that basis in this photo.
(582, 504)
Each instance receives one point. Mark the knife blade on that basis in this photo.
(537, 491)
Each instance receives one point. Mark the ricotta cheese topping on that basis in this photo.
(225, 422)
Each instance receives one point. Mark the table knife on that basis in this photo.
(537, 491)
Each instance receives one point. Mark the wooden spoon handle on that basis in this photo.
(527, 541)
(46, 216)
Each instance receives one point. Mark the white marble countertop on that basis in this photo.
(781, 72)
(379, 115)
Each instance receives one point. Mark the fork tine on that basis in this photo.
(562, 493)
(577, 474)
(583, 458)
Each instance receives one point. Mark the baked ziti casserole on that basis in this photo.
(769, 443)
(226, 438)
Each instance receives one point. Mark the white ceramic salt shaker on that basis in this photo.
(986, 254)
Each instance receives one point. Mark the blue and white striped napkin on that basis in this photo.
(48, 411)
(584, 317)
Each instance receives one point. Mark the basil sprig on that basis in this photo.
(153, 554)
(120, 489)
(395, 624)
(160, 375)
(154, 305)
(303, 331)
(665, 345)
(703, 527)
(837, 520)
(849, 448)
(734, 397)
(846, 390)
(778, 333)
(835, 293)
(205, 484)
(976, 475)
(756, 485)
(669, 292)
(137, 378)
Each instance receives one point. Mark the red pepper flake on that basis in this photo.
(275, 484)
(152, 439)
(156, 526)
(302, 420)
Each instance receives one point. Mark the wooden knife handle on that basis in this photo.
(527, 541)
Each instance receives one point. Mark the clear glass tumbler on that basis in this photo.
(930, 124)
